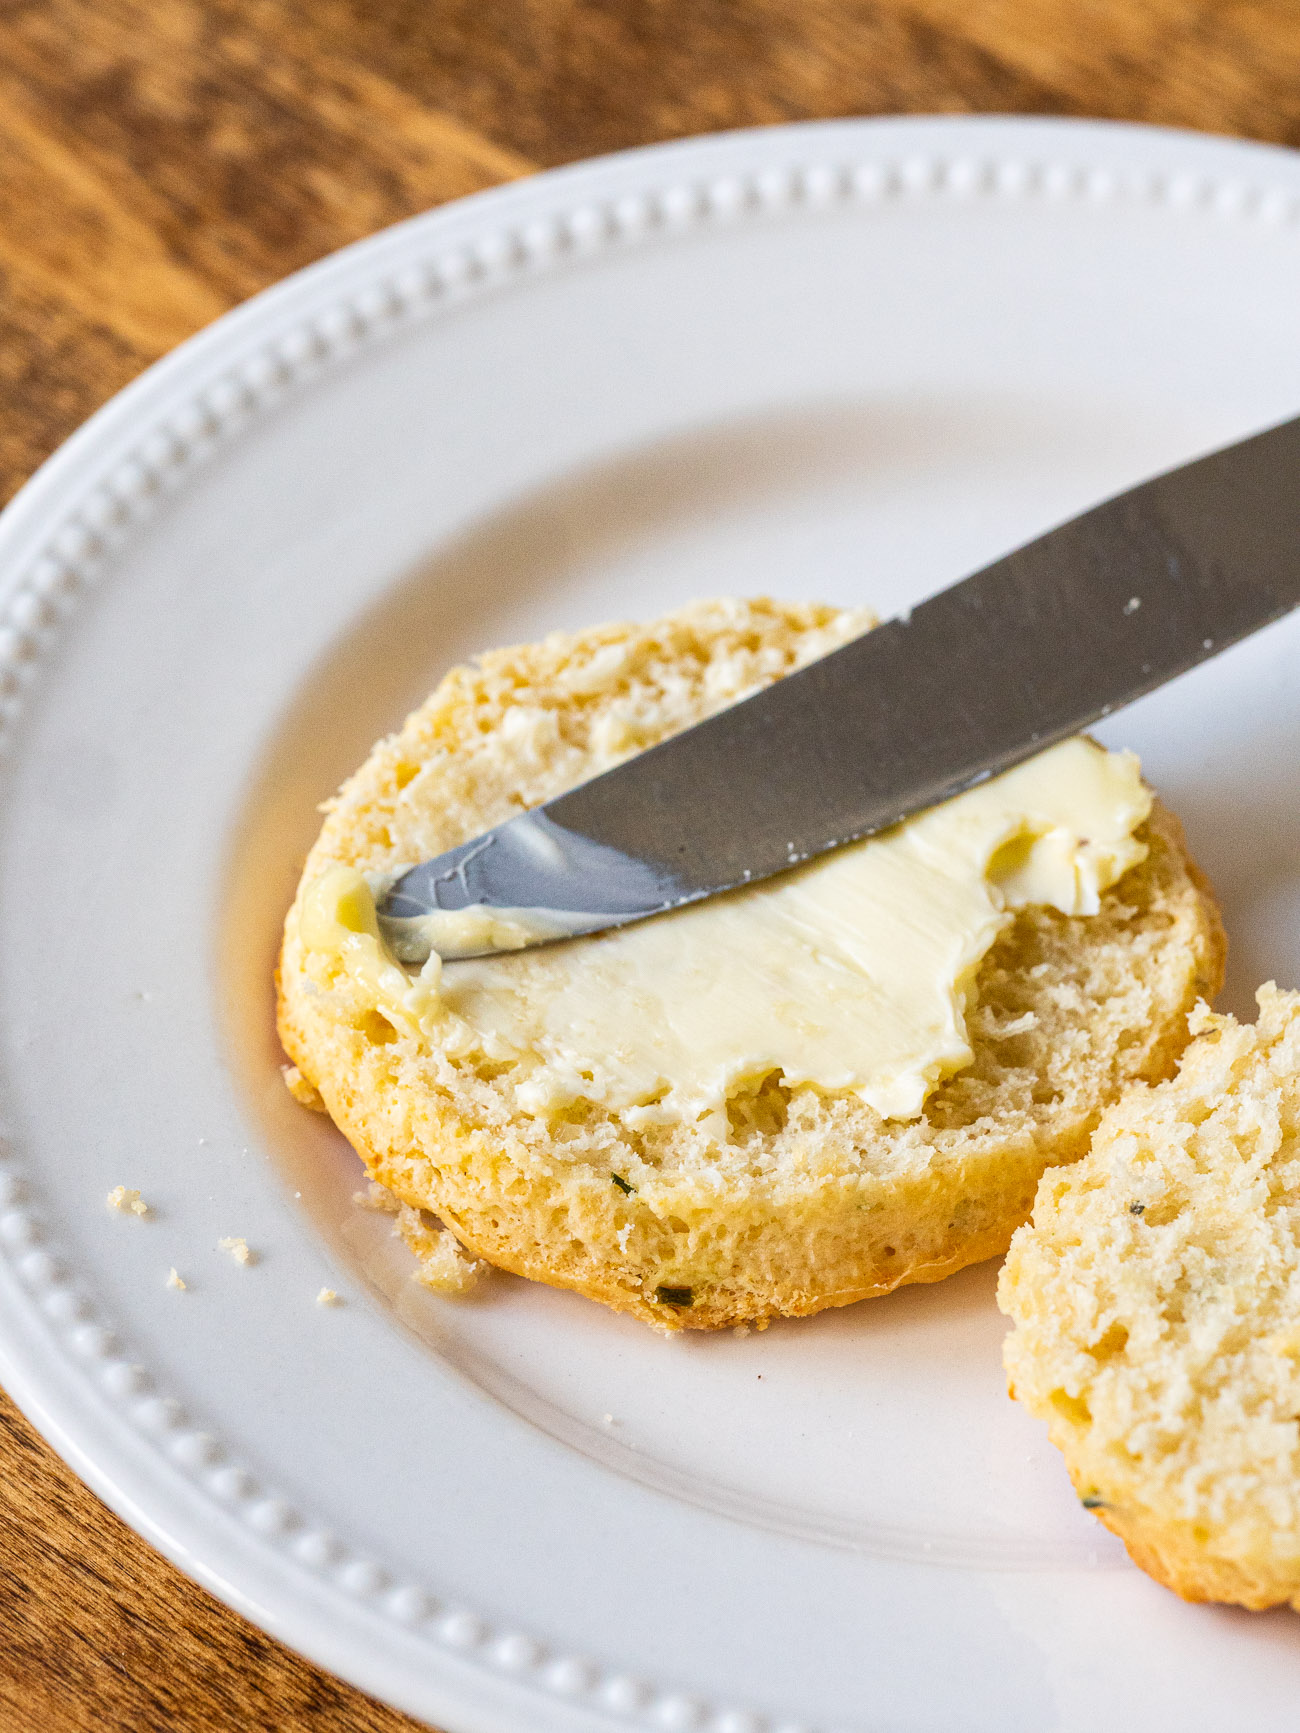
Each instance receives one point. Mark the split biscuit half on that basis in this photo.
(803, 1198)
(1156, 1299)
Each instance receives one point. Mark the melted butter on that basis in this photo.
(338, 926)
(853, 972)
(472, 931)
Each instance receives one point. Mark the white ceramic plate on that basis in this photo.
(851, 361)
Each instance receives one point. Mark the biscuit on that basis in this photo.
(808, 1198)
(1156, 1299)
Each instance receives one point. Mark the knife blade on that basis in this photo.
(1025, 652)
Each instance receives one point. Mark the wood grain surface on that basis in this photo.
(161, 160)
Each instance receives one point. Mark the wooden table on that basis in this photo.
(161, 160)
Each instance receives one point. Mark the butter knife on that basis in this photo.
(1025, 652)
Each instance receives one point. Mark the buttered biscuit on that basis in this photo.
(1156, 1299)
(699, 1169)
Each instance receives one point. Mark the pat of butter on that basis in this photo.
(853, 972)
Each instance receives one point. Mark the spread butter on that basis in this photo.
(853, 972)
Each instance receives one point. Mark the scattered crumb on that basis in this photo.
(175, 1280)
(304, 1093)
(128, 1200)
(327, 1297)
(238, 1250)
(441, 1261)
(740, 1329)
(608, 1420)
(377, 1197)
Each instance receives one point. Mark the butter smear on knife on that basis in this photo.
(854, 972)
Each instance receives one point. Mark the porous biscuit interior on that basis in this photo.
(1156, 1297)
(812, 1199)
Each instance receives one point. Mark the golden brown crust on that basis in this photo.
(825, 1203)
(1179, 1562)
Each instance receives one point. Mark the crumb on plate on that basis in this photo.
(304, 1092)
(377, 1197)
(441, 1262)
(128, 1200)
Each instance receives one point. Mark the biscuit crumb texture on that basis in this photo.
(128, 1200)
(327, 1297)
(175, 1280)
(238, 1249)
(1156, 1299)
(804, 1198)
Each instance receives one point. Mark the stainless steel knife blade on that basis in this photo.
(1025, 652)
